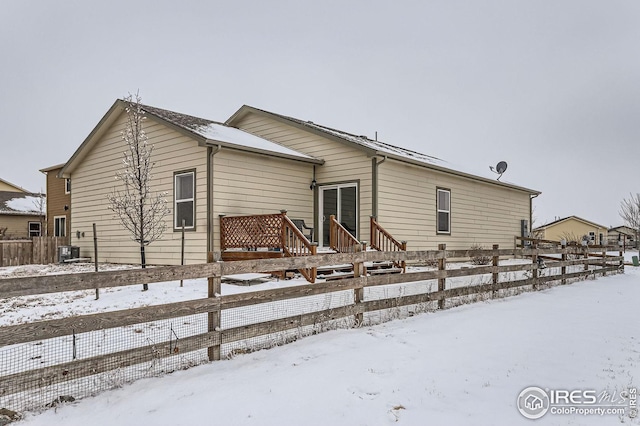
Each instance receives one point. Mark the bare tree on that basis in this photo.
(630, 214)
(139, 210)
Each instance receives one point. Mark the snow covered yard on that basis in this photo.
(465, 365)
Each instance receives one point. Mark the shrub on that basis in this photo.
(480, 258)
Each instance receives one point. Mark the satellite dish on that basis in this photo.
(500, 168)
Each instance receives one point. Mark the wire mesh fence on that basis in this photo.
(83, 361)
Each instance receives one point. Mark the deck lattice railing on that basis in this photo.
(267, 231)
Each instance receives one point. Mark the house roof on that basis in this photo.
(19, 203)
(555, 222)
(17, 188)
(371, 147)
(205, 132)
(623, 229)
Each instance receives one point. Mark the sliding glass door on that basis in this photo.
(341, 201)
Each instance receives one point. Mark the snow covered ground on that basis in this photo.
(465, 365)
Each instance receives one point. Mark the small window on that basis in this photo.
(34, 229)
(67, 186)
(592, 237)
(60, 226)
(443, 225)
(184, 195)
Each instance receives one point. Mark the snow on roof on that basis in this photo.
(17, 203)
(234, 136)
(218, 132)
(382, 148)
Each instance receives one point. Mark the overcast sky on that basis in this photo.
(550, 86)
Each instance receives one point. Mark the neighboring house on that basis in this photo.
(58, 202)
(9, 187)
(20, 214)
(572, 229)
(623, 236)
(259, 162)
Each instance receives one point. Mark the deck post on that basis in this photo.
(332, 231)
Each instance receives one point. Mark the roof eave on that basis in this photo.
(213, 142)
(456, 172)
(111, 116)
(48, 169)
(17, 213)
(89, 140)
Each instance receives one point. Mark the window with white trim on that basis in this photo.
(443, 211)
(35, 229)
(67, 186)
(184, 200)
(60, 226)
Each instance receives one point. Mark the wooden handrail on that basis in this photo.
(340, 239)
(382, 240)
(294, 243)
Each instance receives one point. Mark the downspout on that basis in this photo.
(531, 197)
(210, 153)
(374, 185)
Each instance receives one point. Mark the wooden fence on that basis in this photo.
(37, 251)
(525, 274)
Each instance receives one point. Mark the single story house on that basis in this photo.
(58, 202)
(21, 212)
(572, 229)
(624, 236)
(259, 162)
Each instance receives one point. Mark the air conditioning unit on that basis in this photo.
(68, 252)
(64, 253)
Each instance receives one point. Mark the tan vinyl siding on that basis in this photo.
(56, 200)
(573, 228)
(481, 213)
(94, 178)
(18, 225)
(246, 183)
(342, 163)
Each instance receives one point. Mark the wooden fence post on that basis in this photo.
(604, 261)
(620, 253)
(182, 249)
(1, 254)
(95, 257)
(358, 293)
(585, 251)
(534, 271)
(563, 272)
(214, 289)
(494, 276)
(442, 266)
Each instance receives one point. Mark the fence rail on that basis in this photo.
(496, 277)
